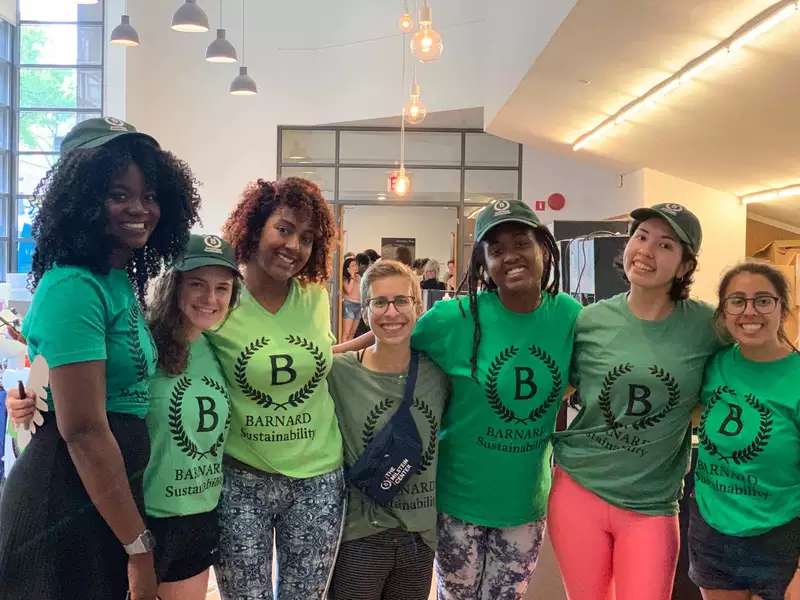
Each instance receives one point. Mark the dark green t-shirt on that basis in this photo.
(365, 401)
(188, 422)
(494, 448)
(638, 382)
(80, 316)
(748, 465)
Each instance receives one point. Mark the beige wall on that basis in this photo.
(760, 234)
(722, 217)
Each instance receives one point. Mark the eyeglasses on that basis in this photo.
(763, 304)
(380, 304)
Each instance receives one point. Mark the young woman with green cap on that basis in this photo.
(111, 211)
(283, 457)
(506, 349)
(638, 367)
(744, 528)
(189, 413)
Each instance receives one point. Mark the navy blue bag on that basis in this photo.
(394, 454)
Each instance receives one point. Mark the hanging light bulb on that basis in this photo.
(426, 44)
(406, 22)
(399, 182)
(124, 34)
(190, 18)
(414, 110)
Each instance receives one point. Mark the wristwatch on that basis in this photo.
(144, 543)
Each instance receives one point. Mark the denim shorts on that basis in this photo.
(763, 564)
(352, 310)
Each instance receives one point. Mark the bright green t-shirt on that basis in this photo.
(188, 422)
(748, 464)
(80, 316)
(365, 401)
(282, 415)
(638, 382)
(494, 448)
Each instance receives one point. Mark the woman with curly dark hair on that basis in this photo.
(283, 457)
(111, 211)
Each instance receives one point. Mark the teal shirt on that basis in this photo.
(80, 316)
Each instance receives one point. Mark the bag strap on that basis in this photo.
(411, 380)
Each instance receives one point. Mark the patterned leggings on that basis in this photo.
(306, 516)
(485, 563)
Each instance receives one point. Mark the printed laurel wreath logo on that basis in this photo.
(296, 398)
(760, 440)
(496, 370)
(175, 419)
(134, 342)
(638, 402)
(380, 409)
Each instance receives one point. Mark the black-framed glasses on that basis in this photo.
(380, 304)
(763, 304)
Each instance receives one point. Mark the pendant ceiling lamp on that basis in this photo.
(221, 50)
(190, 18)
(406, 20)
(399, 182)
(426, 44)
(414, 111)
(124, 34)
(243, 85)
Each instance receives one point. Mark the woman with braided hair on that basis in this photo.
(282, 466)
(638, 367)
(506, 349)
(111, 211)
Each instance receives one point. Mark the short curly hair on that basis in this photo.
(70, 224)
(260, 199)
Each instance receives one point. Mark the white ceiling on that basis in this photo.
(735, 128)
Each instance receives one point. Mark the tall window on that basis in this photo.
(6, 118)
(60, 79)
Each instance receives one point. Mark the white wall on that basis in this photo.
(591, 191)
(431, 226)
(8, 11)
(314, 63)
(722, 217)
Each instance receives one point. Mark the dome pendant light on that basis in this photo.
(426, 44)
(243, 85)
(221, 50)
(124, 34)
(190, 18)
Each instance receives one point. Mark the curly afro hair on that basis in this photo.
(69, 227)
(260, 199)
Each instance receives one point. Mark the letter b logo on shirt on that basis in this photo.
(207, 412)
(638, 394)
(282, 371)
(733, 420)
(525, 387)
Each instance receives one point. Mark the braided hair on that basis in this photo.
(477, 279)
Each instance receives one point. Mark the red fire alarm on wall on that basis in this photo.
(539, 205)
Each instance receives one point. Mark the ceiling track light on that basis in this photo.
(769, 195)
(757, 26)
(190, 18)
(243, 85)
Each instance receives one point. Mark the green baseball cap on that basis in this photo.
(683, 222)
(92, 133)
(504, 211)
(205, 251)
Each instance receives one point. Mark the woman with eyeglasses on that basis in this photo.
(638, 367)
(387, 551)
(744, 531)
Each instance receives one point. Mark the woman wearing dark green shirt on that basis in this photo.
(744, 531)
(71, 518)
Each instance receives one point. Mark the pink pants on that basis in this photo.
(606, 552)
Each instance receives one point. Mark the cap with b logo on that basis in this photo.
(683, 222)
(205, 251)
(92, 133)
(504, 211)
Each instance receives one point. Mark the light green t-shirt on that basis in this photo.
(80, 316)
(188, 422)
(748, 464)
(282, 415)
(365, 401)
(494, 448)
(638, 382)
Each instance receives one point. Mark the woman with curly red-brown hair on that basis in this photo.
(283, 456)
